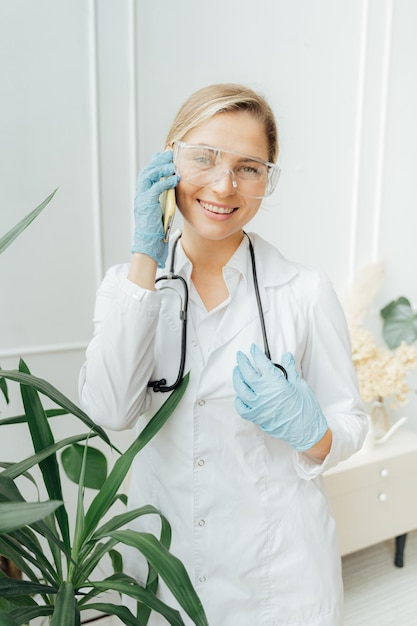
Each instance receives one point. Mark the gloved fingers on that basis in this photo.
(161, 164)
(249, 374)
(152, 175)
(243, 409)
(288, 362)
(263, 364)
(243, 391)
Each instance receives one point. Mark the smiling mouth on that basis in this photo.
(222, 210)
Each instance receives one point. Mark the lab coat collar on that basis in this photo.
(272, 267)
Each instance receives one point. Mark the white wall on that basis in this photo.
(87, 92)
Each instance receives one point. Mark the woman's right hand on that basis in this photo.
(153, 179)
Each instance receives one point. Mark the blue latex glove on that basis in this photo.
(155, 178)
(286, 409)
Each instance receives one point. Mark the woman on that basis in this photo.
(237, 469)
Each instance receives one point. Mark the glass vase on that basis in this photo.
(379, 417)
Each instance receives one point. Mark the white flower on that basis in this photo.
(382, 373)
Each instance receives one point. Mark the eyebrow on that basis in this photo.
(244, 157)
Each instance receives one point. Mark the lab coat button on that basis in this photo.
(201, 522)
(202, 579)
(201, 462)
(194, 343)
(201, 402)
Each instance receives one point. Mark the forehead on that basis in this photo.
(239, 131)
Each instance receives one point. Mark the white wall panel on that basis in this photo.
(49, 274)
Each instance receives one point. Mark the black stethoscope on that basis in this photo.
(161, 385)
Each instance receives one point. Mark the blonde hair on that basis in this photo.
(224, 98)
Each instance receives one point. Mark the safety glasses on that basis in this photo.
(205, 166)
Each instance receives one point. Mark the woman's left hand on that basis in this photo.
(286, 409)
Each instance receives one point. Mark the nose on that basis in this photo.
(225, 184)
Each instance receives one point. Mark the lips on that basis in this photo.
(218, 209)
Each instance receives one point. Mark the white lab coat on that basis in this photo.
(250, 516)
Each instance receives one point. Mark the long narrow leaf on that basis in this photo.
(42, 438)
(9, 549)
(118, 521)
(22, 548)
(171, 570)
(141, 595)
(104, 498)
(79, 516)
(66, 612)
(10, 493)
(15, 515)
(11, 587)
(26, 475)
(22, 419)
(24, 615)
(7, 620)
(3, 388)
(120, 611)
(87, 563)
(11, 235)
(17, 469)
(56, 396)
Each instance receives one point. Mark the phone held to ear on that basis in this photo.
(169, 205)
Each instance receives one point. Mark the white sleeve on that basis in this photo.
(120, 357)
(328, 368)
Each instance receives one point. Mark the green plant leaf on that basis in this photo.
(42, 438)
(14, 515)
(56, 396)
(66, 612)
(105, 496)
(20, 467)
(127, 586)
(3, 388)
(22, 419)
(10, 587)
(116, 561)
(22, 547)
(11, 550)
(123, 519)
(171, 570)
(7, 620)
(399, 323)
(12, 234)
(24, 615)
(96, 465)
(125, 615)
(89, 559)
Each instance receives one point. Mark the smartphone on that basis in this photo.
(169, 205)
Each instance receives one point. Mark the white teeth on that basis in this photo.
(216, 209)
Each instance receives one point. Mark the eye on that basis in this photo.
(202, 157)
(251, 170)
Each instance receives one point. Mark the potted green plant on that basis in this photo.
(399, 323)
(59, 562)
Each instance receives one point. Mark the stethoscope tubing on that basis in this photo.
(161, 385)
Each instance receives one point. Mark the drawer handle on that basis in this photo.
(384, 473)
(383, 497)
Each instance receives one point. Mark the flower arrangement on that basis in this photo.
(382, 373)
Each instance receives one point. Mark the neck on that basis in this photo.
(209, 253)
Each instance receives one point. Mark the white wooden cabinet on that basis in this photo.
(374, 493)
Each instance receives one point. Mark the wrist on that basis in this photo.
(142, 270)
(321, 449)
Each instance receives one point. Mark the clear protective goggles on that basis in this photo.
(205, 166)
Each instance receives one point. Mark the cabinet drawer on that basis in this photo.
(381, 472)
(371, 514)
